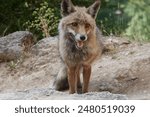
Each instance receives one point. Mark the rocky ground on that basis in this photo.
(123, 72)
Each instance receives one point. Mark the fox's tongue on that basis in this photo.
(80, 44)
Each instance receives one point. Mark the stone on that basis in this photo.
(14, 45)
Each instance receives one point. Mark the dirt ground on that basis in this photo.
(124, 70)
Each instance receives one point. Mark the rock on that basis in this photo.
(126, 71)
(14, 45)
(46, 46)
(36, 71)
(111, 43)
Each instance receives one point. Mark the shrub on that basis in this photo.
(139, 25)
(44, 21)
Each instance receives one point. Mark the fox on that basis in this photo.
(79, 45)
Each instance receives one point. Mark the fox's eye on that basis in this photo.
(87, 26)
(74, 24)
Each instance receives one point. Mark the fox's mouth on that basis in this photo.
(79, 44)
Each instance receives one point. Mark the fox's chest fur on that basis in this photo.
(73, 56)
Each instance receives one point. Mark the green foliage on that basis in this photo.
(139, 26)
(41, 17)
(13, 13)
(44, 21)
(111, 18)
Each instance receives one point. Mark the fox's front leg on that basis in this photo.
(86, 78)
(72, 79)
(78, 82)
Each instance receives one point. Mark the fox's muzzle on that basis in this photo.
(78, 39)
(78, 36)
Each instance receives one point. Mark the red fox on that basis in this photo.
(79, 45)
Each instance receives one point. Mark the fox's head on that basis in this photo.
(78, 22)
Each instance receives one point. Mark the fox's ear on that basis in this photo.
(94, 8)
(66, 7)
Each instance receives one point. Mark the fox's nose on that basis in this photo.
(82, 37)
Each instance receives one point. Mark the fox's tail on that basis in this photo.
(61, 82)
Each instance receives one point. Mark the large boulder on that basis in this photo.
(14, 45)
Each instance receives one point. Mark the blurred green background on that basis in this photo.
(116, 17)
